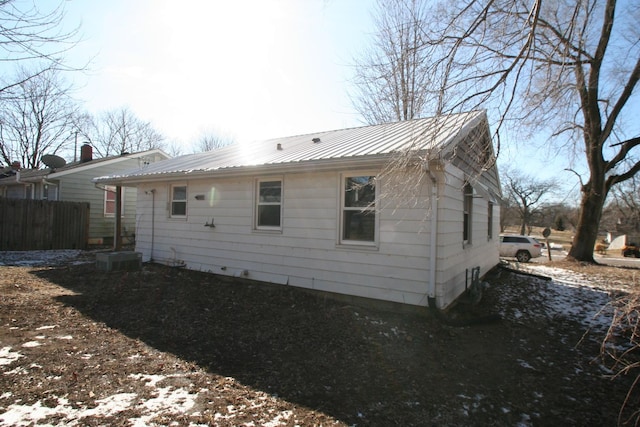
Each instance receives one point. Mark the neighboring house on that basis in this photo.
(73, 182)
(326, 211)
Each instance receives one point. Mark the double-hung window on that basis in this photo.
(178, 201)
(358, 209)
(467, 205)
(269, 204)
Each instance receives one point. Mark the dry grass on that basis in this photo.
(321, 361)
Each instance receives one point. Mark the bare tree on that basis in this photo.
(390, 78)
(625, 206)
(210, 140)
(121, 131)
(35, 118)
(568, 67)
(525, 193)
(30, 32)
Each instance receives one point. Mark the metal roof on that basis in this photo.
(367, 142)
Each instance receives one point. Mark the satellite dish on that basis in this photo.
(53, 161)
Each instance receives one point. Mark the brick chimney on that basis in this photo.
(86, 153)
(16, 166)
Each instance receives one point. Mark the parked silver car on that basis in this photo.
(523, 248)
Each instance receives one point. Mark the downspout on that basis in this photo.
(433, 253)
(153, 220)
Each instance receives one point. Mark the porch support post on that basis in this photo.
(117, 238)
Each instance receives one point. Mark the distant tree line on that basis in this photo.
(527, 203)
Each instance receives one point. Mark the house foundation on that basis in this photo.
(118, 261)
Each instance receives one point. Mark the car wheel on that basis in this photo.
(523, 256)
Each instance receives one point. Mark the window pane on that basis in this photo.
(359, 225)
(467, 206)
(270, 192)
(110, 208)
(465, 227)
(269, 215)
(179, 193)
(179, 208)
(359, 191)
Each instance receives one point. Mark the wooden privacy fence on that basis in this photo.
(42, 224)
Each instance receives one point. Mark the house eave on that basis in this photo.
(101, 163)
(250, 170)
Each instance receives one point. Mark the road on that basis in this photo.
(618, 261)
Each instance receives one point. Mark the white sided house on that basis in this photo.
(399, 212)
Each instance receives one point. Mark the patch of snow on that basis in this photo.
(150, 380)
(41, 328)
(24, 415)
(168, 401)
(524, 364)
(41, 258)
(32, 344)
(7, 356)
(568, 295)
(279, 419)
(17, 371)
(65, 337)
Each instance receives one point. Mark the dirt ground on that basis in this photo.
(247, 350)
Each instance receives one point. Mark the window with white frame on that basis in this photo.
(49, 192)
(467, 205)
(178, 201)
(110, 202)
(358, 210)
(269, 204)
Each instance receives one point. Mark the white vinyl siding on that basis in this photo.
(304, 254)
(454, 259)
(489, 220)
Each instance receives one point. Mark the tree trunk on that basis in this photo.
(587, 231)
